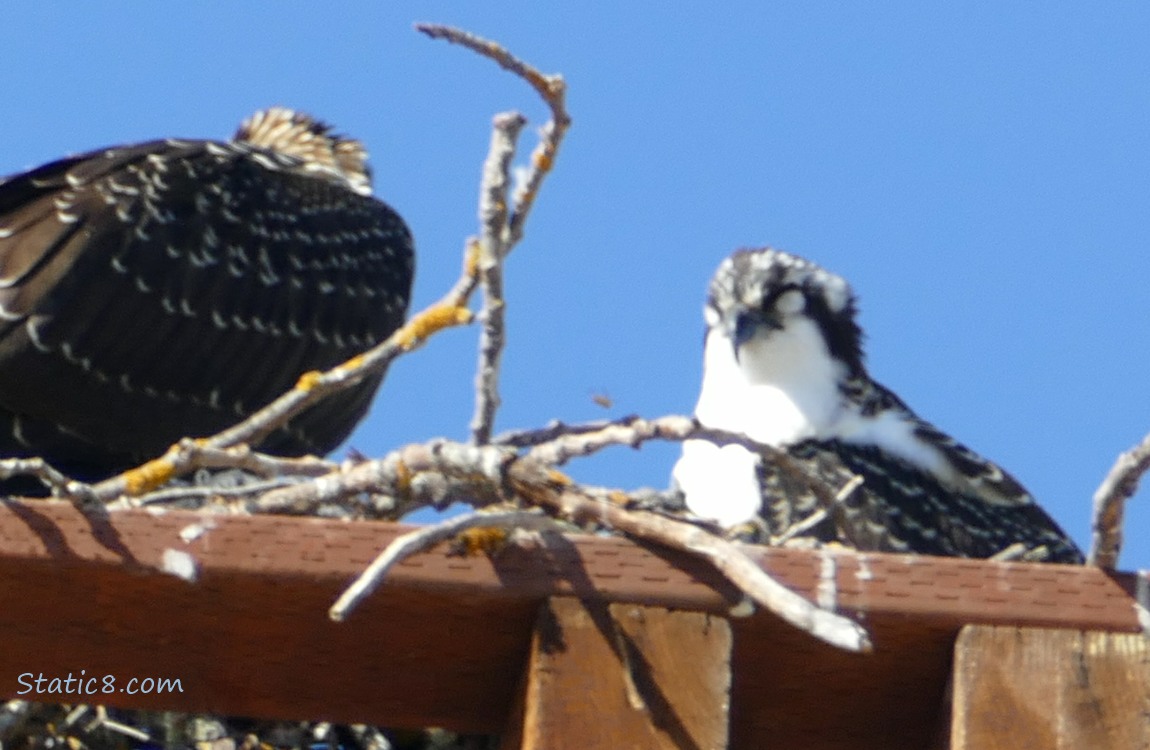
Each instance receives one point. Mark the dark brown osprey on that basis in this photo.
(170, 288)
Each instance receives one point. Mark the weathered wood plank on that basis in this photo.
(1045, 689)
(624, 676)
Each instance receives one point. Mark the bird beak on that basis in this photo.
(749, 323)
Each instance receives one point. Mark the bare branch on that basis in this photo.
(556, 429)
(1015, 551)
(550, 489)
(435, 474)
(544, 85)
(633, 431)
(819, 515)
(425, 538)
(190, 455)
(553, 91)
(502, 230)
(493, 248)
(78, 493)
(1110, 499)
(533, 481)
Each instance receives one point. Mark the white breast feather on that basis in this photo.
(784, 388)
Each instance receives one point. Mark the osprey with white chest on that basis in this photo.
(783, 364)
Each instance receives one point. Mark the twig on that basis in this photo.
(57, 482)
(1015, 551)
(533, 481)
(493, 247)
(189, 492)
(556, 429)
(437, 474)
(1110, 499)
(102, 721)
(549, 489)
(551, 88)
(190, 455)
(501, 228)
(425, 538)
(819, 515)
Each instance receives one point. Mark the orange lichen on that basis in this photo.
(434, 318)
(471, 258)
(353, 364)
(403, 478)
(148, 477)
(619, 498)
(559, 478)
(308, 381)
(543, 159)
(487, 540)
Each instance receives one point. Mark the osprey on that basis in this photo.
(171, 288)
(783, 364)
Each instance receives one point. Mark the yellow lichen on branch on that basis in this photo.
(543, 159)
(430, 321)
(308, 381)
(486, 540)
(148, 477)
(353, 364)
(471, 259)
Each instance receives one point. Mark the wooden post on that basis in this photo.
(623, 675)
(1045, 689)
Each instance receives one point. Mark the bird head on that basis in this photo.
(780, 311)
(312, 141)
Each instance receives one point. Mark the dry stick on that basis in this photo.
(555, 429)
(1110, 499)
(549, 489)
(493, 247)
(502, 228)
(455, 472)
(60, 484)
(532, 479)
(553, 445)
(551, 88)
(634, 431)
(819, 515)
(425, 538)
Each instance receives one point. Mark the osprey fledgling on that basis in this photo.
(171, 288)
(783, 364)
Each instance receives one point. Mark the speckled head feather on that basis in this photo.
(312, 141)
(756, 286)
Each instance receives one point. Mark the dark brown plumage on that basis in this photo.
(170, 288)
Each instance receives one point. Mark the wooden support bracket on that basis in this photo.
(1047, 689)
(623, 675)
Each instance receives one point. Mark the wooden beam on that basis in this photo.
(622, 675)
(443, 642)
(1043, 689)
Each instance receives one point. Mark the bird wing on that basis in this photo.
(173, 287)
(901, 508)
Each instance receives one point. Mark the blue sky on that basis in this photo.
(980, 172)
